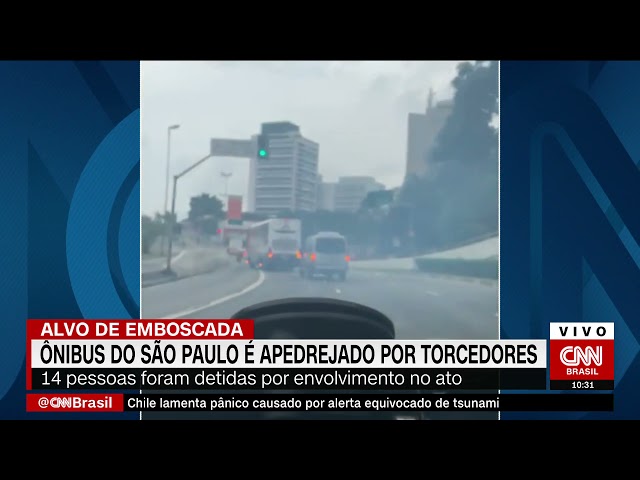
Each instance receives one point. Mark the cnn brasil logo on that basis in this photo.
(581, 356)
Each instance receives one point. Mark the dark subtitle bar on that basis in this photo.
(369, 402)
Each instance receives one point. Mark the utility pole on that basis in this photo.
(173, 204)
(166, 188)
(226, 176)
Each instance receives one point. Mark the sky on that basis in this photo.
(356, 110)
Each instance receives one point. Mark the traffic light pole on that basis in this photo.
(172, 220)
(263, 146)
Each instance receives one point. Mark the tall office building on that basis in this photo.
(288, 178)
(423, 130)
(326, 195)
(351, 191)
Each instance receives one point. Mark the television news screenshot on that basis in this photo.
(320, 240)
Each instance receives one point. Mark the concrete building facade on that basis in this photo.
(288, 178)
(351, 191)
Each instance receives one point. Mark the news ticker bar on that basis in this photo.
(317, 402)
(290, 379)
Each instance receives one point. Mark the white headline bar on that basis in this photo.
(581, 331)
(95, 354)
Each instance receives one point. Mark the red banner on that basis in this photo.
(234, 207)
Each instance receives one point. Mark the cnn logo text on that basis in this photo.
(581, 351)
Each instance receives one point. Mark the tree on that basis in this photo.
(459, 199)
(206, 205)
(166, 217)
(205, 212)
(467, 135)
(151, 229)
(377, 199)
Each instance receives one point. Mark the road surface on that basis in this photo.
(421, 306)
(158, 263)
(153, 264)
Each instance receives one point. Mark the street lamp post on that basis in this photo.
(166, 186)
(226, 176)
(173, 204)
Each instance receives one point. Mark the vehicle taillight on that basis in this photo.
(312, 257)
(270, 254)
(298, 254)
(347, 258)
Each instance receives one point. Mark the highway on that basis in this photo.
(421, 306)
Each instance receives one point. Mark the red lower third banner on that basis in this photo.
(77, 402)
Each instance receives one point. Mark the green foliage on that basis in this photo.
(208, 226)
(467, 136)
(377, 199)
(205, 212)
(151, 229)
(154, 228)
(458, 199)
(205, 205)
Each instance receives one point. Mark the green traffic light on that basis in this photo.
(262, 153)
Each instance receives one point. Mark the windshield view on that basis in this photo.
(366, 181)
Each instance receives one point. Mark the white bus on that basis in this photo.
(274, 244)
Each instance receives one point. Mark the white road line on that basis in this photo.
(154, 261)
(184, 313)
(432, 293)
(178, 256)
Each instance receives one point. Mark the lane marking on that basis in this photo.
(253, 286)
(178, 256)
(432, 293)
(152, 262)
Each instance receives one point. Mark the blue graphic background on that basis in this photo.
(70, 178)
(570, 197)
(570, 209)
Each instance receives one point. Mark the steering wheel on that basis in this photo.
(317, 319)
(321, 319)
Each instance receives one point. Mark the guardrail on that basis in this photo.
(479, 268)
(464, 264)
(460, 244)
